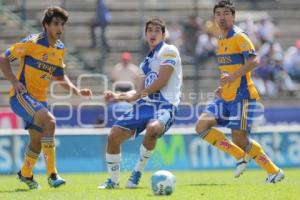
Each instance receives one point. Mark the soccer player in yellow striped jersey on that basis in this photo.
(236, 100)
(41, 59)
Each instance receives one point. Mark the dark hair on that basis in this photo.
(156, 21)
(225, 4)
(54, 12)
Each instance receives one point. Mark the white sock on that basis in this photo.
(144, 157)
(113, 166)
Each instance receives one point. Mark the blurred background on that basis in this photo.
(105, 44)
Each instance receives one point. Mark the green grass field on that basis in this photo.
(190, 185)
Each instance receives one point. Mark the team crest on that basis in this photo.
(45, 57)
(151, 77)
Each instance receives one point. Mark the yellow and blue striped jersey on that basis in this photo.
(38, 63)
(231, 55)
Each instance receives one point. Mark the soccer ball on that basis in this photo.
(163, 182)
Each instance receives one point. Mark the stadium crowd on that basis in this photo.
(278, 69)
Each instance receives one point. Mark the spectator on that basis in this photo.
(205, 47)
(292, 61)
(282, 78)
(266, 30)
(250, 28)
(191, 28)
(125, 74)
(264, 78)
(101, 20)
(269, 50)
(174, 35)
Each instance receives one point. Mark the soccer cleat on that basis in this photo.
(29, 181)
(134, 179)
(55, 180)
(109, 184)
(274, 178)
(241, 166)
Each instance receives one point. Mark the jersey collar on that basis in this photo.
(43, 39)
(231, 32)
(156, 49)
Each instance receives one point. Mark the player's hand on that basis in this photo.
(218, 92)
(85, 92)
(110, 96)
(19, 87)
(128, 97)
(227, 78)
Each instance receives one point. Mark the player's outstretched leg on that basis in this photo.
(136, 174)
(215, 137)
(113, 156)
(275, 174)
(32, 153)
(47, 121)
(154, 130)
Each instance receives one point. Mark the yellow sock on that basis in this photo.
(29, 162)
(257, 153)
(48, 147)
(217, 138)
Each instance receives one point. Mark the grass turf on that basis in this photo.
(190, 185)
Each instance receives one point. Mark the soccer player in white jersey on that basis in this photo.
(156, 101)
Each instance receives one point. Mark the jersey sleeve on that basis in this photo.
(17, 50)
(20, 49)
(169, 57)
(59, 72)
(246, 46)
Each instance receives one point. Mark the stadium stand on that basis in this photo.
(125, 32)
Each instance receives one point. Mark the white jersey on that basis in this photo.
(163, 54)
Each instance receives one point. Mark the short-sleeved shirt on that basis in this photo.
(163, 55)
(231, 55)
(38, 63)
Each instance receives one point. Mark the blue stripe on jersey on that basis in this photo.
(247, 54)
(22, 75)
(230, 59)
(46, 67)
(59, 72)
(43, 40)
(242, 91)
(7, 53)
(145, 64)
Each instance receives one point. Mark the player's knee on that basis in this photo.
(204, 122)
(114, 138)
(202, 126)
(199, 127)
(49, 126)
(154, 130)
(240, 141)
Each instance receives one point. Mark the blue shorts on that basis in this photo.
(25, 106)
(143, 112)
(237, 115)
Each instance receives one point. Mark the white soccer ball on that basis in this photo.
(163, 182)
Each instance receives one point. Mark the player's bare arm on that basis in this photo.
(65, 82)
(9, 75)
